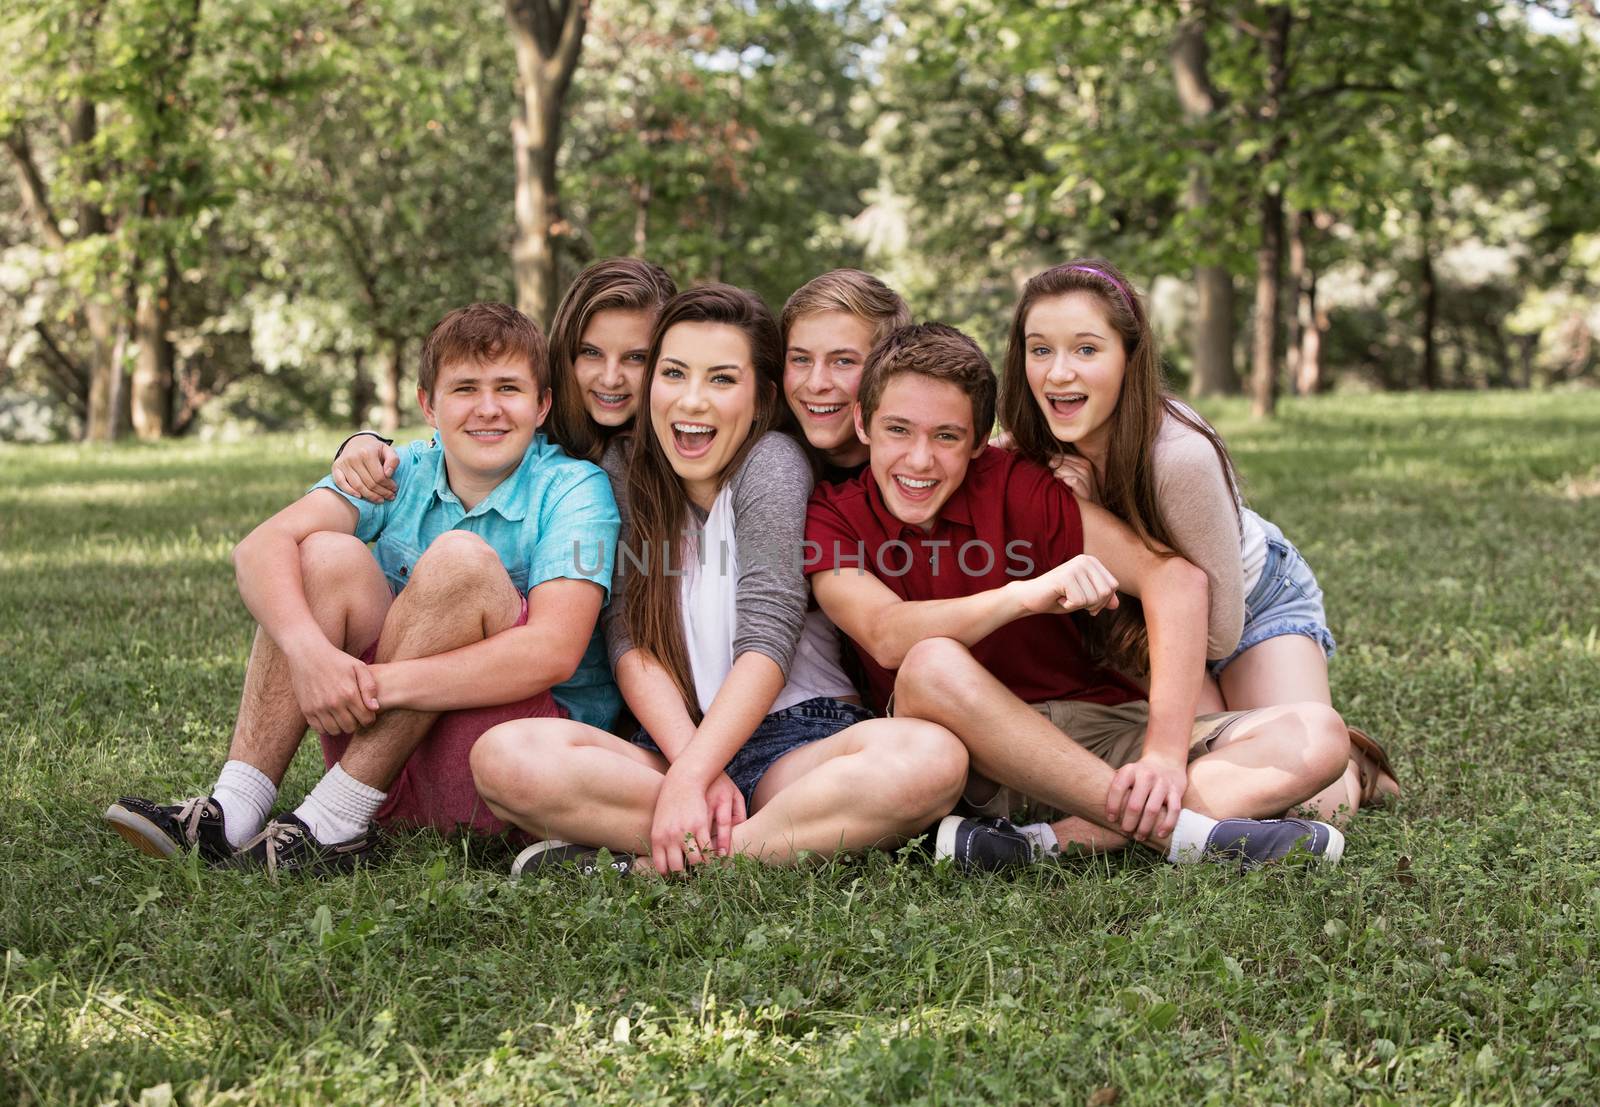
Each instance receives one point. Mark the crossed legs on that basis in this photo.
(1267, 763)
(459, 593)
(875, 784)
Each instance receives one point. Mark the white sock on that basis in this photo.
(339, 807)
(246, 794)
(1189, 837)
(1043, 837)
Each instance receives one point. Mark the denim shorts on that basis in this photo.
(782, 731)
(1286, 600)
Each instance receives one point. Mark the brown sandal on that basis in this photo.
(1373, 766)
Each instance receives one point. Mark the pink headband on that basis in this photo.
(1127, 295)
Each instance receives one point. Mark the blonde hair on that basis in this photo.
(849, 290)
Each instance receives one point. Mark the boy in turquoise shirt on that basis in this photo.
(477, 603)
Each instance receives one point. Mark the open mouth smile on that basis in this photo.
(823, 411)
(1066, 404)
(913, 488)
(692, 440)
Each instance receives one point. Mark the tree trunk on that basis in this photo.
(1213, 335)
(547, 35)
(360, 390)
(1269, 206)
(1428, 293)
(1313, 325)
(152, 371)
(1308, 323)
(1269, 280)
(1294, 224)
(106, 390)
(642, 193)
(389, 387)
(1214, 373)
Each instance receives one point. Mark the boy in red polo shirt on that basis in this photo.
(954, 568)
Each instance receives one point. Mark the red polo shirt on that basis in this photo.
(1010, 519)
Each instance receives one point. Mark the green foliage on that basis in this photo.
(719, 140)
(1016, 134)
(1451, 958)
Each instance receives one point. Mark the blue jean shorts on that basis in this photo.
(782, 731)
(1286, 600)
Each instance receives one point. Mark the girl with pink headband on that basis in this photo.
(1083, 393)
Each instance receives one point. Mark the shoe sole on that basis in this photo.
(533, 855)
(142, 834)
(1335, 851)
(944, 840)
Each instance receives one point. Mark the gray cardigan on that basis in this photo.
(770, 492)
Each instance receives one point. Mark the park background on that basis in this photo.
(224, 229)
(224, 216)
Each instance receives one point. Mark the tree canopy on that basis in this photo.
(222, 211)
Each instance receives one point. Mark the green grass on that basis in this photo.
(1450, 959)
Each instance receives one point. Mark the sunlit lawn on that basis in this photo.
(1450, 959)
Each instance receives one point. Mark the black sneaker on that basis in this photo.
(286, 845)
(553, 853)
(1254, 842)
(981, 843)
(168, 829)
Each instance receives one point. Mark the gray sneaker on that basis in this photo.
(1254, 842)
(553, 853)
(983, 844)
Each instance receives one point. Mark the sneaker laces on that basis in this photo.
(277, 836)
(189, 815)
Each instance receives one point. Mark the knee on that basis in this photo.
(511, 762)
(457, 560)
(927, 766)
(328, 557)
(1327, 742)
(931, 672)
(496, 756)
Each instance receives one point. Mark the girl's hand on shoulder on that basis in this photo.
(680, 832)
(1077, 473)
(366, 469)
(1000, 440)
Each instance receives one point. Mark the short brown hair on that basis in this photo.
(479, 334)
(851, 290)
(933, 350)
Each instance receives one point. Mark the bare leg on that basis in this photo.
(876, 783)
(873, 785)
(556, 778)
(1269, 762)
(1011, 743)
(1008, 741)
(1291, 668)
(459, 593)
(349, 598)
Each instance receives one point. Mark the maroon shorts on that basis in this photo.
(435, 786)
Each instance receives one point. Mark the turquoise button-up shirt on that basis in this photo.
(553, 517)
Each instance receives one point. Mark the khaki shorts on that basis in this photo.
(1113, 734)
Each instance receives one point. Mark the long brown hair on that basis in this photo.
(1128, 486)
(610, 284)
(658, 505)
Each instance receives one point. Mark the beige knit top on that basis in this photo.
(1210, 526)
